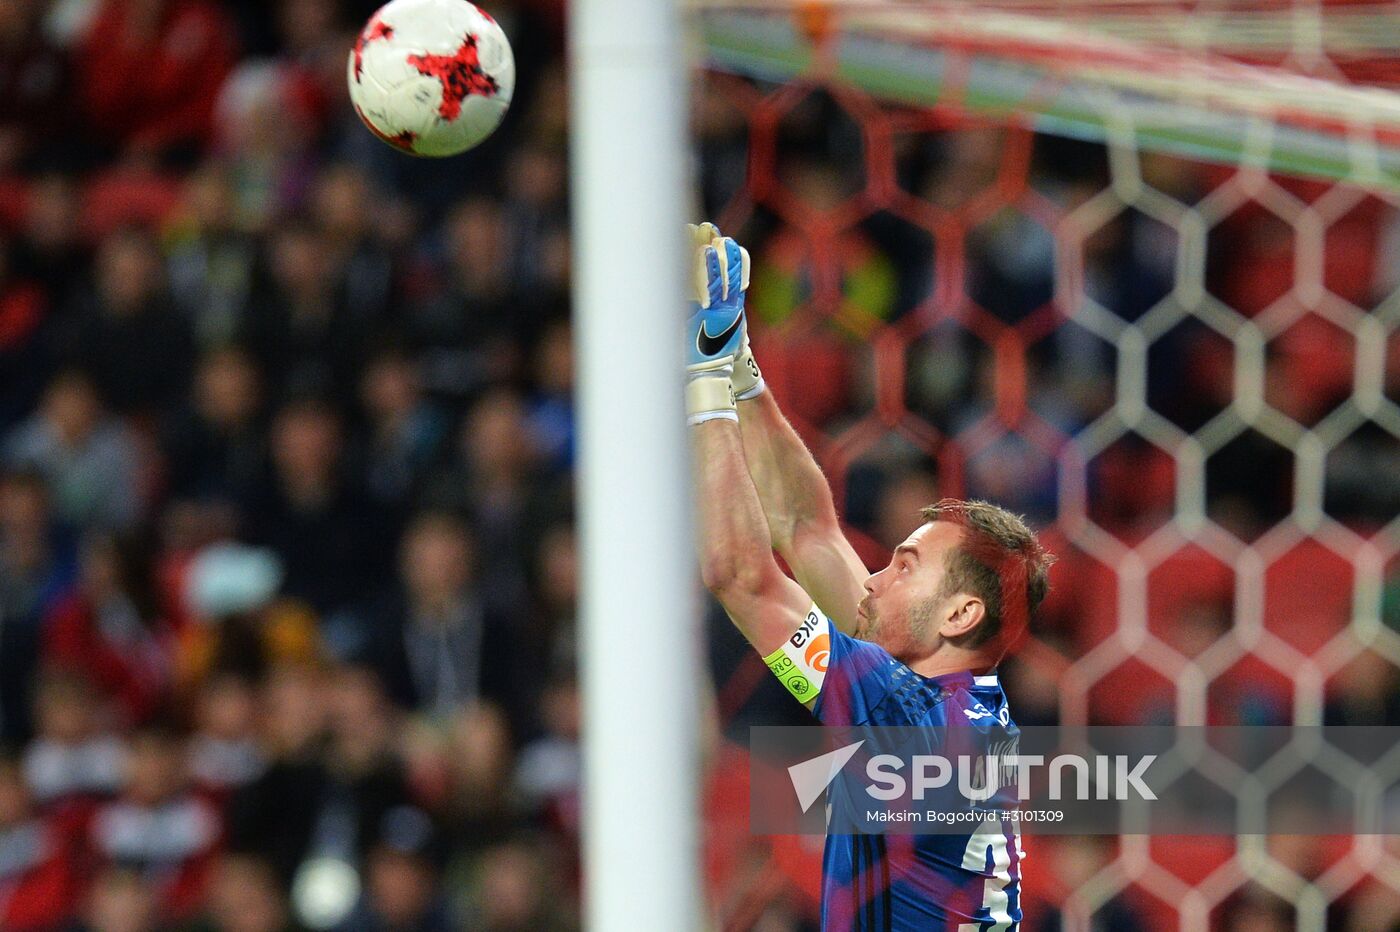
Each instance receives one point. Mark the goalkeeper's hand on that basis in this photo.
(747, 378)
(715, 328)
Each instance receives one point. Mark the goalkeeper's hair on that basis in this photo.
(999, 560)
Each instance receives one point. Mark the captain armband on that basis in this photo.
(800, 664)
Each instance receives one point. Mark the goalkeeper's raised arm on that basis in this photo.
(736, 551)
(795, 496)
(796, 499)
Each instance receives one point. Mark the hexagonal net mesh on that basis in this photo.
(1186, 372)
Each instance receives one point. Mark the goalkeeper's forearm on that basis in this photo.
(801, 515)
(735, 552)
(735, 542)
(791, 486)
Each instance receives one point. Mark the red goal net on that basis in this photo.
(1128, 269)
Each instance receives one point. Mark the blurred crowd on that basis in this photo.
(286, 552)
(287, 559)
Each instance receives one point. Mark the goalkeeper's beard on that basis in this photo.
(866, 624)
(921, 617)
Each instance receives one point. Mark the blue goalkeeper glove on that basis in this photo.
(715, 328)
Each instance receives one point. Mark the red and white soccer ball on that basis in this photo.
(431, 77)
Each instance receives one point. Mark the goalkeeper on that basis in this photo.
(913, 644)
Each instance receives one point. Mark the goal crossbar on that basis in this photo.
(1067, 79)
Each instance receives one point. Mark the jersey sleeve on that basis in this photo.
(858, 678)
(840, 678)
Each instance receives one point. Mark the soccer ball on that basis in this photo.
(431, 77)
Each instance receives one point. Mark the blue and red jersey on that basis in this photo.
(968, 882)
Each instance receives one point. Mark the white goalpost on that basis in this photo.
(641, 657)
(1137, 79)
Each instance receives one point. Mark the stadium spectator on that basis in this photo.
(159, 824)
(1014, 471)
(1360, 487)
(363, 725)
(1011, 265)
(478, 809)
(300, 326)
(537, 200)
(48, 247)
(903, 495)
(150, 71)
(1373, 906)
(36, 564)
(111, 630)
(35, 77)
(1257, 910)
(404, 430)
(353, 243)
(75, 756)
(551, 403)
(512, 889)
(403, 887)
(237, 622)
(215, 448)
(795, 268)
(314, 35)
(24, 314)
(720, 135)
(39, 860)
(468, 331)
(36, 567)
(224, 750)
(495, 481)
(90, 460)
(244, 896)
(328, 784)
(266, 136)
(439, 640)
(1364, 692)
(266, 818)
(120, 899)
(210, 260)
(1075, 861)
(312, 512)
(123, 330)
(555, 585)
(549, 769)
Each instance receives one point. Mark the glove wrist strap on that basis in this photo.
(747, 379)
(709, 396)
(752, 392)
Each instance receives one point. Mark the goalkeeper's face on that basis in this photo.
(904, 605)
